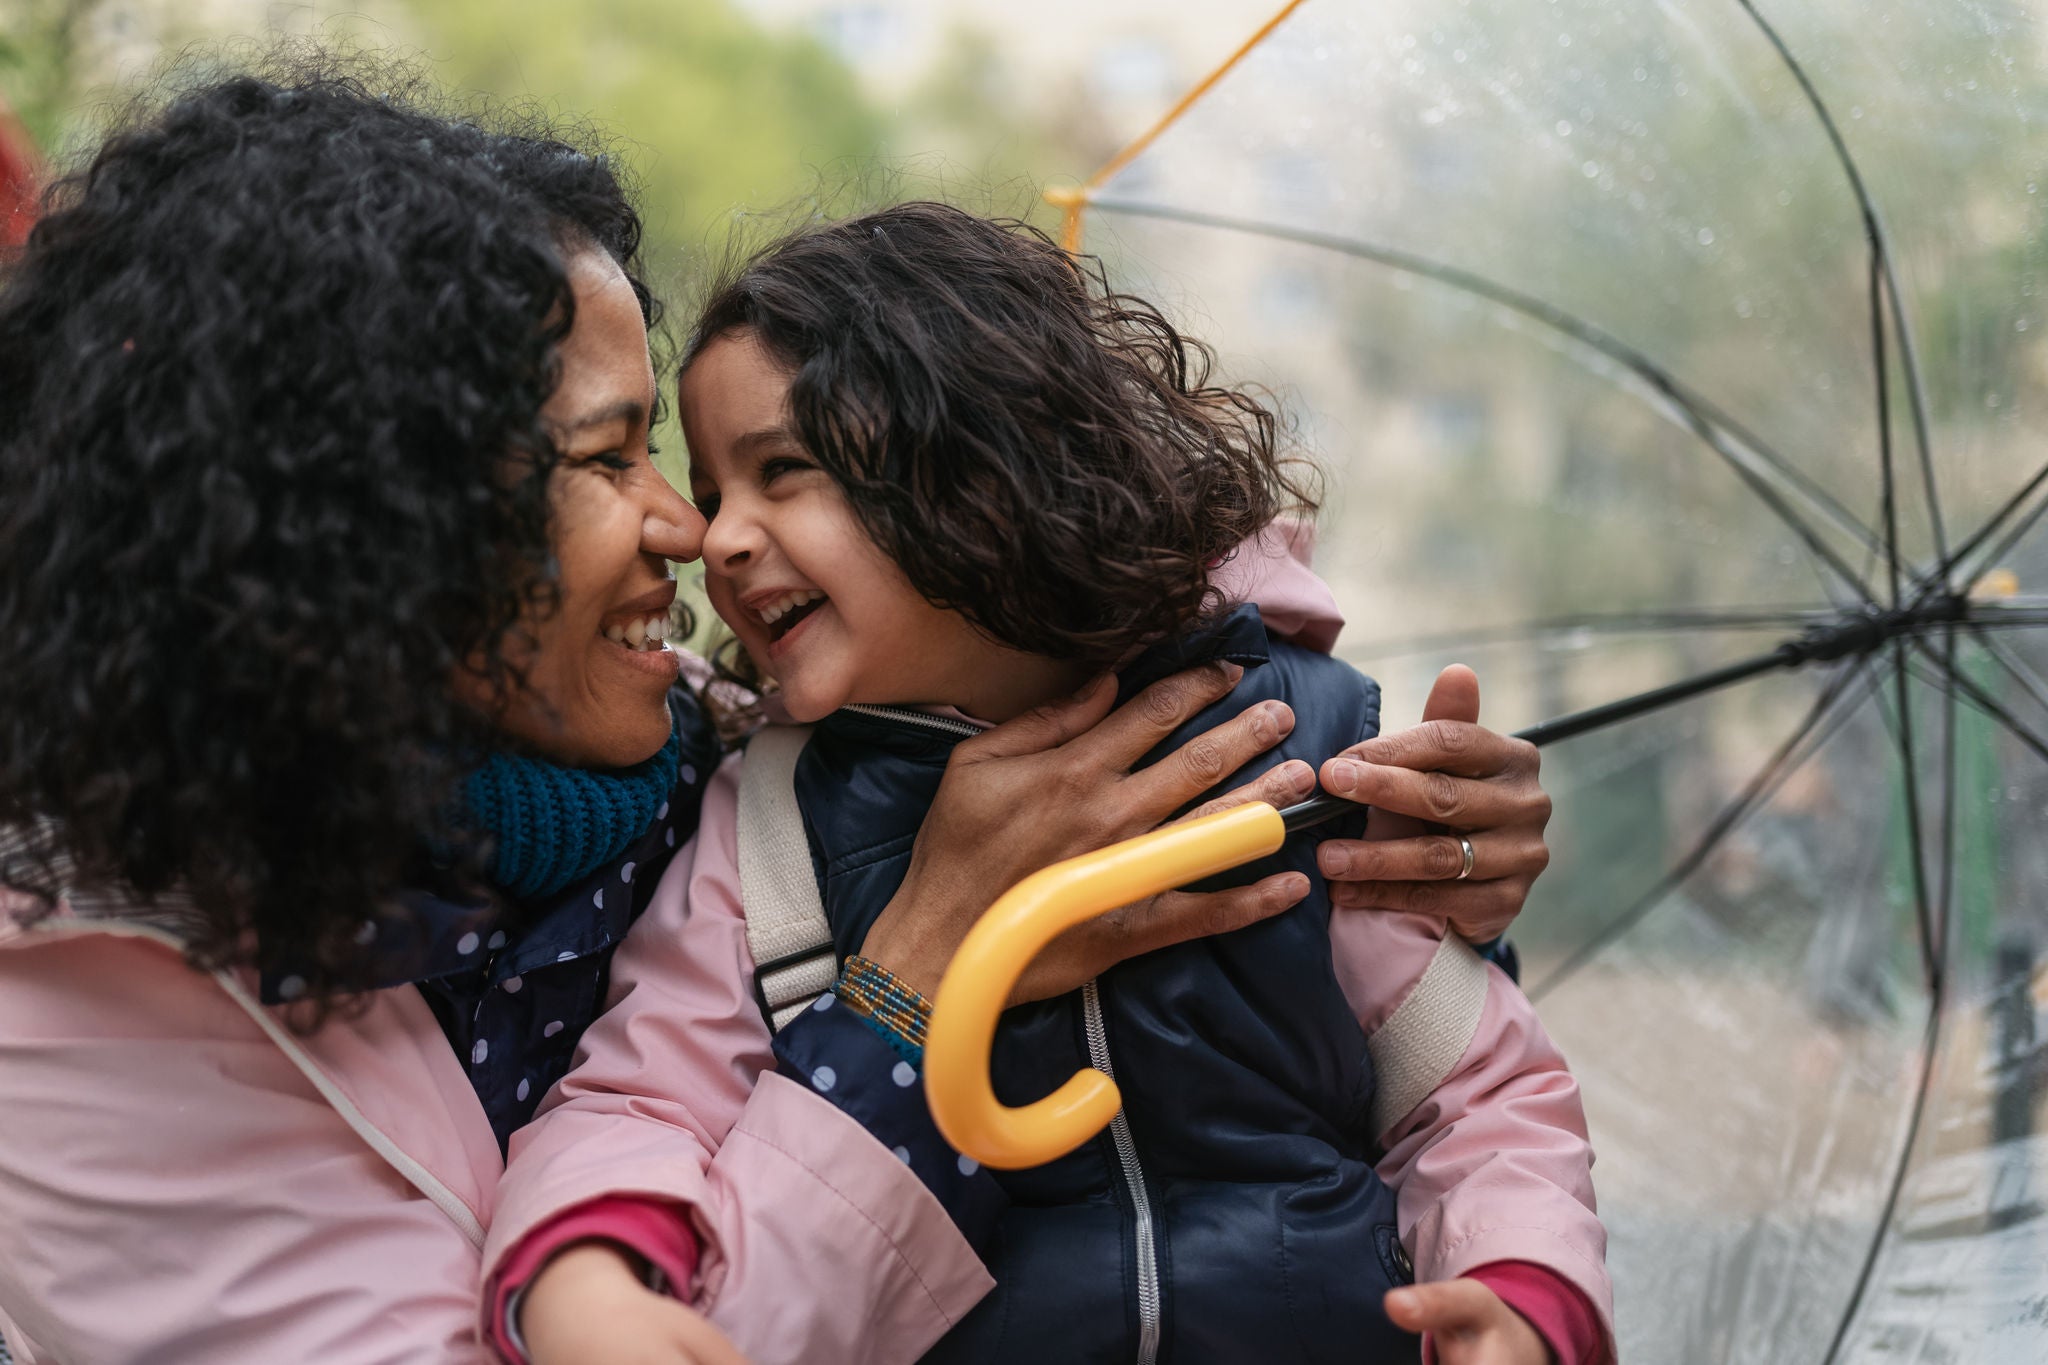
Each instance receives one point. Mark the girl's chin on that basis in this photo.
(805, 710)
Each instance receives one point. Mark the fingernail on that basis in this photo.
(1334, 862)
(1282, 716)
(1344, 776)
(1292, 888)
(1300, 778)
(1231, 672)
(1400, 1300)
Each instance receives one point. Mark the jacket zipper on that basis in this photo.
(1097, 1029)
(1134, 1181)
(951, 727)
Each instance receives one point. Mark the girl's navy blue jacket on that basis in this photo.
(1231, 1213)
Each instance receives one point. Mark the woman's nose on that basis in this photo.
(672, 527)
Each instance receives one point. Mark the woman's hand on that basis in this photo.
(587, 1305)
(1057, 782)
(1428, 785)
(1468, 1323)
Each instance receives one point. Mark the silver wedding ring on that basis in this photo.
(1466, 870)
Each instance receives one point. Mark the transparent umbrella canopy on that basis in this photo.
(1698, 350)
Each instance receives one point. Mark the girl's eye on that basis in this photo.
(773, 469)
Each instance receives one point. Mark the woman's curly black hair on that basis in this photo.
(271, 469)
(1037, 451)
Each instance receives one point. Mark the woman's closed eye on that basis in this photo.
(618, 461)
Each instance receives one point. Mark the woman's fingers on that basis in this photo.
(1087, 950)
(1137, 726)
(1210, 757)
(1278, 786)
(1468, 798)
(1434, 857)
(1431, 786)
(1049, 726)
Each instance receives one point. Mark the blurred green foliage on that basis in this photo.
(718, 114)
(38, 52)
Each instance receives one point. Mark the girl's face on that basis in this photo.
(597, 688)
(790, 570)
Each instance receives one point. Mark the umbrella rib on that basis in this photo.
(1881, 262)
(1996, 523)
(1617, 623)
(1923, 905)
(1969, 691)
(1759, 788)
(1889, 484)
(2029, 681)
(1701, 417)
(2025, 617)
(1930, 1041)
(1945, 892)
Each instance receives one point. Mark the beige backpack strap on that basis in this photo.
(1425, 1037)
(786, 927)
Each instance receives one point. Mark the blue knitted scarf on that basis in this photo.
(551, 824)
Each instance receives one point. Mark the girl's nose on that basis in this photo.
(730, 539)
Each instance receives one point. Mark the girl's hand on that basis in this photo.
(1428, 785)
(588, 1305)
(1468, 1324)
(1057, 782)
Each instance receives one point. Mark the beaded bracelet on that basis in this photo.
(888, 1006)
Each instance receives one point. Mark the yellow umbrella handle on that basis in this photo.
(1015, 930)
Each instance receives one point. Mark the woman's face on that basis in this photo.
(597, 684)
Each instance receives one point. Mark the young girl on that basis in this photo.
(950, 477)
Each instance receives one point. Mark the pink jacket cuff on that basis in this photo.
(655, 1230)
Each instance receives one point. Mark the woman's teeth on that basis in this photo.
(645, 636)
(787, 603)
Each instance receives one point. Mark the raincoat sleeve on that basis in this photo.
(1494, 1163)
(175, 1191)
(817, 1242)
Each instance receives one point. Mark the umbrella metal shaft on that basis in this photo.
(1860, 632)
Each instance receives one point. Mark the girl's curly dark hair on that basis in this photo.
(1037, 451)
(271, 469)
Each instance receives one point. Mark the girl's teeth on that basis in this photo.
(788, 603)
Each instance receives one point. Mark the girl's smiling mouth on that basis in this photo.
(783, 610)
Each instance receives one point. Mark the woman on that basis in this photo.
(333, 755)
